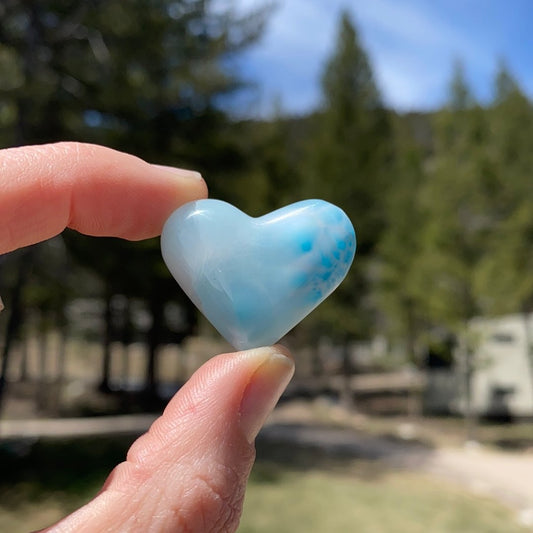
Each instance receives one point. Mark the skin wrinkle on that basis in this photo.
(87, 516)
(185, 509)
(147, 454)
(210, 492)
(71, 210)
(213, 481)
(134, 474)
(213, 503)
(127, 504)
(169, 426)
(126, 515)
(233, 503)
(199, 515)
(77, 162)
(48, 182)
(172, 465)
(157, 504)
(220, 477)
(157, 498)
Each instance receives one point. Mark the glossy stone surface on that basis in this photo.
(256, 278)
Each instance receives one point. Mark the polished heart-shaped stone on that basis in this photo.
(256, 278)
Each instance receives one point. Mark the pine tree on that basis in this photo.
(504, 279)
(451, 237)
(400, 243)
(455, 229)
(350, 144)
(347, 163)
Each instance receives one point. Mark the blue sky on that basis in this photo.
(412, 45)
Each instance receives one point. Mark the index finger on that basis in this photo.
(89, 188)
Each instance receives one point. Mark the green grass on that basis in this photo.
(43, 481)
(397, 502)
(291, 490)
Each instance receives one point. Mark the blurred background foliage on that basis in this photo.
(440, 200)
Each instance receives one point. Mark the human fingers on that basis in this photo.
(189, 472)
(89, 188)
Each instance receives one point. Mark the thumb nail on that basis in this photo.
(263, 391)
(180, 172)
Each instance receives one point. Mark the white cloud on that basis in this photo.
(413, 46)
(408, 22)
(411, 43)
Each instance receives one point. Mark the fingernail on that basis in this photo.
(192, 174)
(263, 392)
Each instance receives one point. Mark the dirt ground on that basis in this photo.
(504, 476)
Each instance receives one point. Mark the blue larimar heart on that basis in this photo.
(256, 278)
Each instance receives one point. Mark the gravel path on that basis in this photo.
(506, 477)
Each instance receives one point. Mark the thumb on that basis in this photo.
(189, 472)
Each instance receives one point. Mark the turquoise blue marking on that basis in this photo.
(307, 246)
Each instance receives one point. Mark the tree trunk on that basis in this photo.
(16, 316)
(190, 329)
(347, 393)
(33, 37)
(62, 354)
(413, 394)
(470, 417)
(106, 343)
(153, 341)
(43, 391)
(316, 361)
(529, 346)
(61, 362)
(24, 356)
(126, 338)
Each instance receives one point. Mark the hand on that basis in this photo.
(189, 472)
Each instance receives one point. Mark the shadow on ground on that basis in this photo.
(318, 446)
(70, 466)
(73, 466)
